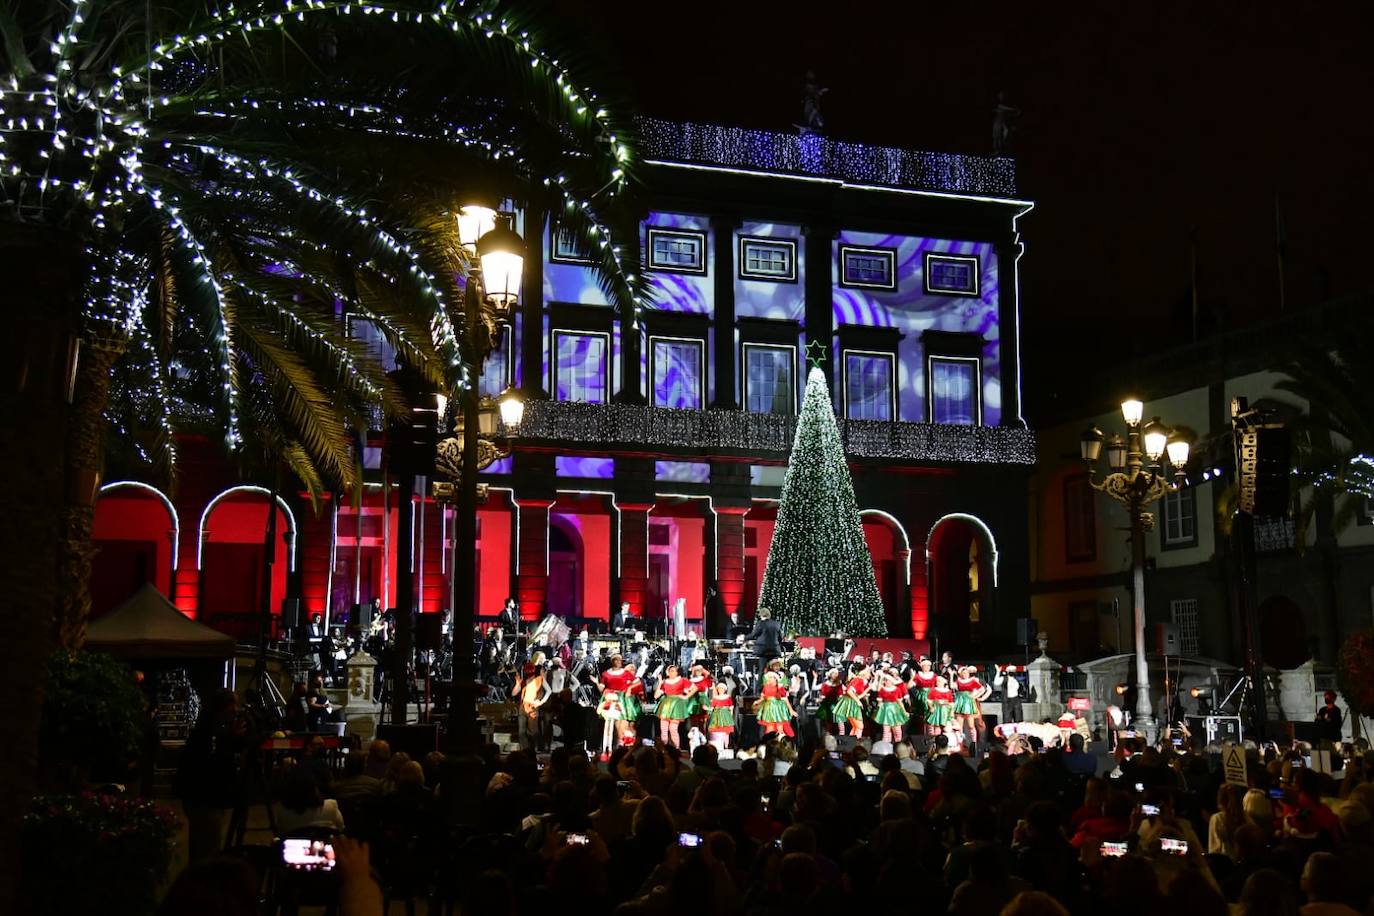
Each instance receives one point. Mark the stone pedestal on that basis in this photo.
(1042, 676)
(1300, 693)
(361, 710)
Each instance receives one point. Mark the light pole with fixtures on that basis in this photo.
(493, 286)
(1137, 484)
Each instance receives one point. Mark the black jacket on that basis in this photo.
(767, 637)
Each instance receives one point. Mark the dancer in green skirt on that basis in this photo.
(722, 723)
(939, 706)
(892, 706)
(774, 710)
(831, 691)
(673, 706)
(849, 708)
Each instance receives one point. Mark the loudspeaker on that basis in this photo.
(429, 630)
(415, 740)
(1166, 638)
(361, 616)
(1026, 630)
(845, 743)
(291, 614)
(1262, 470)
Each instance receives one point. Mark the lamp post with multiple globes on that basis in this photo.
(493, 287)
(1139, 478)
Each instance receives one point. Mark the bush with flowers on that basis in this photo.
(92, 853)
(1355, 672)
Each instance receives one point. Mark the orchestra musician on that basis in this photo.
(510, 617)
(737, 627)
(622, 618)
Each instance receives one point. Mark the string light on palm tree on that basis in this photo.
(1139, 478)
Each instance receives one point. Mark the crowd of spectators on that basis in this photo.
(1154, 830)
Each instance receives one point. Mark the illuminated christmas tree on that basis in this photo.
(819, 577)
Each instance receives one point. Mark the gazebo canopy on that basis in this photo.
(147, 625)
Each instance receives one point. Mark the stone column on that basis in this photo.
(634, 556)
(1043, 677)
(532, 567)
(730, 556)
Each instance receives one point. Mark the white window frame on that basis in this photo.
(943, 256)
(605, 366)
(1183, 614)
(701, 368)
(745, 241)
(891, 378)
(556, 227)
(744, 369)
(507, 343)
(888, 254)
(654, 232)
(1174, 543)
(977, 384)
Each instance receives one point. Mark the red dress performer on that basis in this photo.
(617, 707)
(722, 716)
(831, 691)
(699, 701)
(774, 709)
(673, 706)
(849, 708)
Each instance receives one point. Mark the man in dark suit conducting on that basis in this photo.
(766, 636)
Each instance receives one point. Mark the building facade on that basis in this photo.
(654, 444)
(1310, 596)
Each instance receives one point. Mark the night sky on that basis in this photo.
(1140, 128)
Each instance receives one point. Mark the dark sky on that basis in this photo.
(1139, 127)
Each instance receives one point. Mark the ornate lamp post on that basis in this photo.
(1138, 479)
(491, 290)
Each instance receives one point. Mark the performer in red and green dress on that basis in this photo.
(849, 708)
(722, 724)
(617, 701)
(969, 693)
(831, 691)
(774, 710)
(699, 700)
(939, 706)
(892, 712)
(673, 706)
(923, 682)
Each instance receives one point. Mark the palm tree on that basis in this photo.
(190, 198)
(1333, 427)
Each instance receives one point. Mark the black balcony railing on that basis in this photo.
(616, 427)
(817, 156)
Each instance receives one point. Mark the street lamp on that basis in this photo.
(496, 257)
(1138, 479)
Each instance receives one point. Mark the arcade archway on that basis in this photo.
(230, 554)
(136, 533)
(891, 554)
(962, 577)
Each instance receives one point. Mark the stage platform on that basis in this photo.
(866, 645)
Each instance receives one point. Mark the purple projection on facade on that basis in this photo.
(905, 304)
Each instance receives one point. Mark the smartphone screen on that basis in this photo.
(1150, 810)
(690, 840)
(1173, 846)
(577, 839)
(1276, 793)
(648, 742)
(1113, 849)
(1178, 742)
(304, 854)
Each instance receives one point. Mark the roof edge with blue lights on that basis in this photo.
(815, 157)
